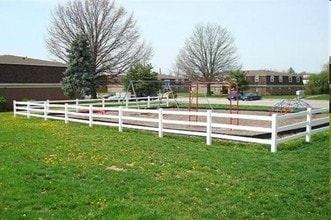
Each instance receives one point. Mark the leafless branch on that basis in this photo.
(208, 52)
(112, 34)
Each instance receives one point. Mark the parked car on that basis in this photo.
(250, 97)
(234, 96)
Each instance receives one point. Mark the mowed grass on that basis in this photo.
(50, 170)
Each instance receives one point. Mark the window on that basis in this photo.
(257, 78)
(280, 79)
(290, 79)
(272, 79)
(298, 79)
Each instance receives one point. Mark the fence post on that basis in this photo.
(209, 130)
(66, 113)
(308, 126)
(274, 133)
(167, 101)
(77, 103)
(45, 111)
(160, 123)
(14, 105)
(47, 101)
(90, 115)
(148, 101)
(120, 118)
(126, 101)
(28, 110)
(103, 102)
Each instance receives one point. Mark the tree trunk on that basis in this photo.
(93, 94)
(208, 89)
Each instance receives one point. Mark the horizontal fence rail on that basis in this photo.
(97, 112)
(138, 102)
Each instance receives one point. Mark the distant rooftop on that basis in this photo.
(265, 73)
(18, 60)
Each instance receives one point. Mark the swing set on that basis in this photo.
(166, 88)
(224, 87)
(194, 88)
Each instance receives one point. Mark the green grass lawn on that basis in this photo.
(50, 170)
(319, 97)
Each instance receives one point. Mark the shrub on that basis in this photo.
(318, 84)
(145, 80)
(3, 102)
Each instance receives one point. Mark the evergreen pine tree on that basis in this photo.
(291, 71)
(79, 79)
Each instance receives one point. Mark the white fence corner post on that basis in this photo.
(66, 113)
(90, 115)
(103, 103)
(274, 133)
(120, 118)
(148, 101)
(209, 128)
(28, 110)
(14, 106)
(309, 124)
(160, 122)
(45, 110)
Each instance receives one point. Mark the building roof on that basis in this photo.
(18, 60)
(266, 73)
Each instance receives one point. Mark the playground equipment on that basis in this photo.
(131, 85)
(194, 88)
(166, 88)
(290, 106)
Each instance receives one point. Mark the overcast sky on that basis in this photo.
(269, 34)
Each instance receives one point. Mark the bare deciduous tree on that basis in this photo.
(207, 54)
(112, 34)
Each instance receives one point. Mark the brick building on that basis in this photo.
(266, 82)
(27, 78)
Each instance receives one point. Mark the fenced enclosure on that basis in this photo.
(211, 124)
(125, 101)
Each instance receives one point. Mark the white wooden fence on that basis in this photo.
(138, 102)
(159, 121)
